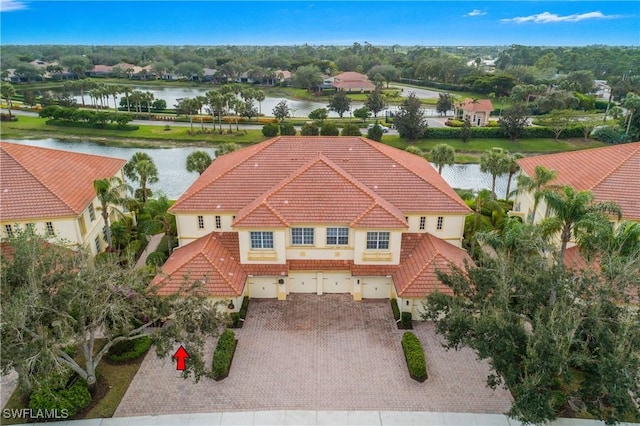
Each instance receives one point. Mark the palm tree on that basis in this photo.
(513, 168)
(141, 168)
(574, 212)
(201, 101)
(225, 148)
(216, 105)
(442, 155)
(495, 162)
(535, 185)
(259, 96)
(198, 161)
(111, 192)
(188, 106)
(158, 210)
(126, 90)
(115, 91)
(8, 91)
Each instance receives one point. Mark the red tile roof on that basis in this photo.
(43, 183)
(208, 259)
(421, 257)
(320, 182)
(480, 105)
(573, 259)
(612, 173)
(214, 260)
(328, 179)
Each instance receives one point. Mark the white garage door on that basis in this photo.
(263, 289)
(302, 282)
(376, 290)
(337, 282)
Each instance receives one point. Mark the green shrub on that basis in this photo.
(270, 130)
(610, 134)
(235, 320)
(454, 123)
(127, 350)
(223, 354)
(405, 321)
(244, 307)
(309, 129)
(351, 129)
(414, 355)
(287, 129)
(329, 129)
(71, 399)
(157, 258)
(395, 309)
(601, 105)
(375, 133)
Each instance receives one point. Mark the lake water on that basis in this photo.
(174, 178)
(298, 108)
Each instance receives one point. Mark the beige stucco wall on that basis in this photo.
(363, 256)
(277, 255)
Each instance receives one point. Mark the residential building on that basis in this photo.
(478, 111)
(611, 173)
(317, 215)
(352, 82)
(52, 191)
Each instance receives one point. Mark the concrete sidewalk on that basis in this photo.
(337, 418)
(152, 245)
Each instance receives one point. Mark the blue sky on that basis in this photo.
(432, 23)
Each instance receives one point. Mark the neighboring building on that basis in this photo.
(611, 173)
(478, 110)
(52, 191)
(317, 215)
(352, 82)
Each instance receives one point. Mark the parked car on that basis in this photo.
(385, 129)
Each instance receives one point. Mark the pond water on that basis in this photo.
(298, 108)
(174, 178)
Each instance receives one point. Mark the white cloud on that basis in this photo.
(11, 5)
(546, 17)
(476, 12)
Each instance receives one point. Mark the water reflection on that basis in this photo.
(174, 178)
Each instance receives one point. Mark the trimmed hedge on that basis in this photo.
(223, 354)
(395, 309)
(127, 350)
(405, 321)
(72, 399)
(496, 132)
(237, 318)
(414, 355)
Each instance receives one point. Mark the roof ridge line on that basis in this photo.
(28, 170)
(260, 147)
(374, 146)
(633, 152)
(215, 265)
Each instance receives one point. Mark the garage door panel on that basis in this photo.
(304, 282)
(376, 290)
(337, 283)
(263, 290)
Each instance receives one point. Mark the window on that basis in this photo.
(200, 222)
(218, 222)
(302, 236)
(338, 236)
(50, 231)
(377, 240)
(261, 240)
(97, 243)
(92, 213)
(440, 222)
(423, 222)
(9, 230)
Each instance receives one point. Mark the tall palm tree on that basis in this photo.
(495, 162)
(260, 97)
(158, 210)
(215, 103)
(115, 91)
(513, 168)
(198, 161)
(141, 168)
(574, 212)
(442, 155)
(8, 91)
(126, 91)
(201, 102)
(111, 192)
(535, 185)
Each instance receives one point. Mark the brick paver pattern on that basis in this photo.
(320, 353)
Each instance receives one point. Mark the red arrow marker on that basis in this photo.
(181, 355)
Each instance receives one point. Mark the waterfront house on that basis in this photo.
(317, 215)
(52, 192)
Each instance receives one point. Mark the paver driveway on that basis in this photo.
(320, 353)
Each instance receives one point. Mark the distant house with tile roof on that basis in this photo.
(52, 191)
(317, 215)
(352, 82)
(478, 111)
(611, 173)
